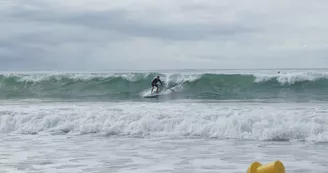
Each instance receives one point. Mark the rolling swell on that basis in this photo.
(121, 86)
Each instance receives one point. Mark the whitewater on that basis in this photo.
(207, 121)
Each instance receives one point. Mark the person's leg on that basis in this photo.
(152, 88)
(156, 88)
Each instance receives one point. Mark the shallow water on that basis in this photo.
(96, 153)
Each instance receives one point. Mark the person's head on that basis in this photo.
(157, 77)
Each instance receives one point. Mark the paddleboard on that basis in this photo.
(152, 96)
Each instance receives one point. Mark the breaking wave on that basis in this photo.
(122, 86)
(243, 122)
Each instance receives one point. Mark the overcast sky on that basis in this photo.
(170, 34)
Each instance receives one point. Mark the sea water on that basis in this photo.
(210, 121)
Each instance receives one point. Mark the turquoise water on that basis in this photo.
(289, 85)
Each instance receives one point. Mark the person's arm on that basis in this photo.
(161, 82)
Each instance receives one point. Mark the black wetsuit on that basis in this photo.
(154, 82)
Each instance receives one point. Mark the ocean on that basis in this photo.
(203, 121)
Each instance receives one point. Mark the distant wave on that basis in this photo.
(122, 86)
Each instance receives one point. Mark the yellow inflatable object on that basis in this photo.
(274, 167)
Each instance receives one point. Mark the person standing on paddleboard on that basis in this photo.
(154, 84)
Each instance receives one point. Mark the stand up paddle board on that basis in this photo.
(155, 95)
(152, 96)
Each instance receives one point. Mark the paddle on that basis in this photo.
(167, 87)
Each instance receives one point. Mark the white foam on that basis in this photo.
(292, 78)
(210, 120)
(38, 77)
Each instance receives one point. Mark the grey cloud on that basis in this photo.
(119, 22)
(60, 36)
(22, 57)
(38, 34)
